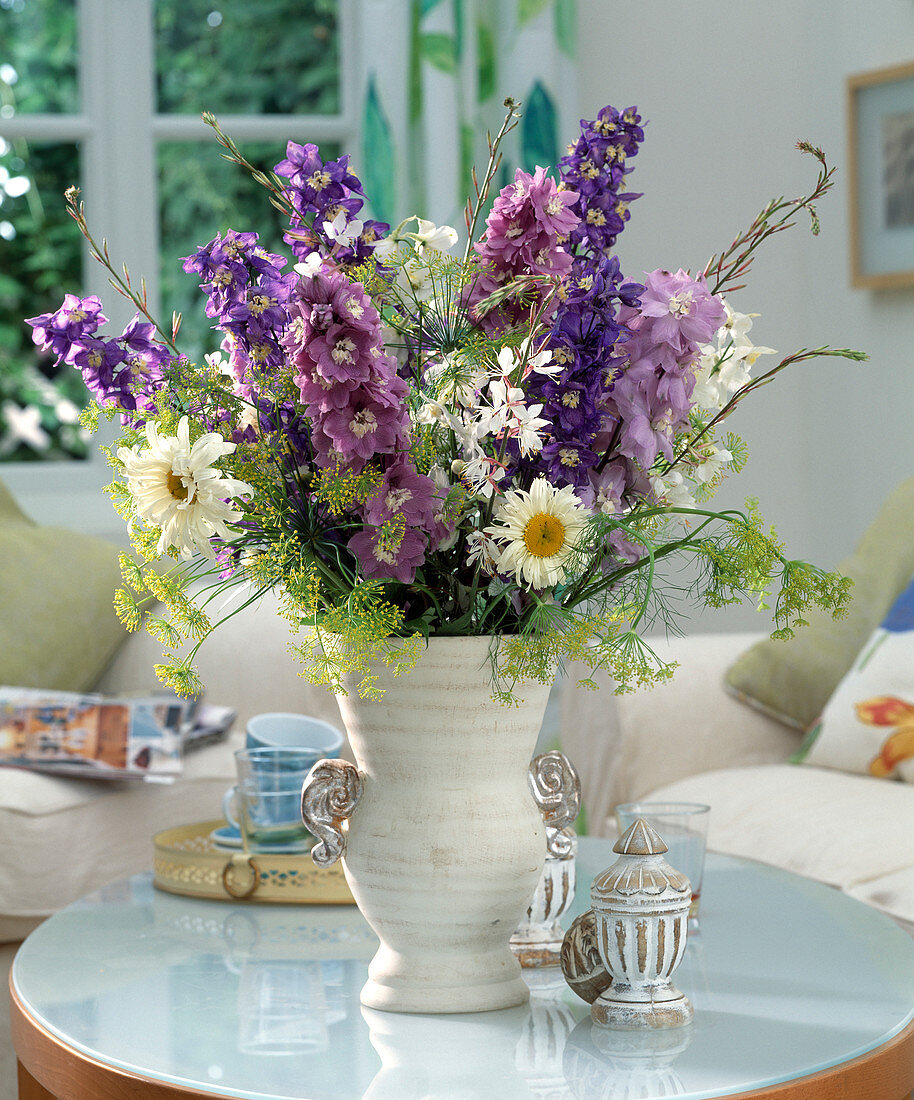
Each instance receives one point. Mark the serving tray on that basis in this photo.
(188, 861)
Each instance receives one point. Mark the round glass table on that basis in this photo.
(798, 992)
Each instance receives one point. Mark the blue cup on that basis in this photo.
(298, 731)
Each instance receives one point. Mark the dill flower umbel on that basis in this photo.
(538, 530)
(175, 486)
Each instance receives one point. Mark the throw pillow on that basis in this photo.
(58, 628)
(868, 724)
(793, 680)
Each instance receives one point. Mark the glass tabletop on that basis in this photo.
(787, 977)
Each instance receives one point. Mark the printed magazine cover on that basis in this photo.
(92, 736)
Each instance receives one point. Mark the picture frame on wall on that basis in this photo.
(881, 177)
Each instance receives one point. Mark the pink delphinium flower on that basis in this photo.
(398, 562)
(350, 388)
(371, 423)
(524, 232)
(404, 491)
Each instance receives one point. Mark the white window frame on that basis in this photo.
(118, 130)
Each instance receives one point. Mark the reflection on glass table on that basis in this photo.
(260, 1001)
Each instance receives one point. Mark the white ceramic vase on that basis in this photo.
(445, 846)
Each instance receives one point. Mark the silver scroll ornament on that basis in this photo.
(328, 798)
(556, 790)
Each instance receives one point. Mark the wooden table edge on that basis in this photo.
(60, 1071)
(884, 1073)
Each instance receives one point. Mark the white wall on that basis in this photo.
(728, 87)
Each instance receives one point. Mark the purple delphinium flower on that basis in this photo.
(98, 361)
(319, 191)
(248, 296)
(585, 337)
(62, 332)
(566, 462)
(595, 168)
(126, 371)
(683, 309)
(650, 398)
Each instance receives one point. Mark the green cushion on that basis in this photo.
(58, 628)
(793, 680)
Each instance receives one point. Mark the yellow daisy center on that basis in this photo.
(544, 535)
(176, 486)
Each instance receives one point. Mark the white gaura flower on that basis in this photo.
(480, 474)
(310, 266)
(528, 429)
(537, 531)
(342, 230)
(440, 238)
(715, 459)
(481, 548)
(673, 489)
(176, 487)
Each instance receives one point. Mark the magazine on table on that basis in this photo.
(104, 737)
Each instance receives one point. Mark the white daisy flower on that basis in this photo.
(176, 487)
(538, 531)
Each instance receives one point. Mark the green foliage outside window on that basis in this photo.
(239, 57)
(225, 56)
(39, 245)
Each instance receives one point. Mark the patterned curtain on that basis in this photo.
(434, 77)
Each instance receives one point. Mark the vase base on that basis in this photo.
(532, 954)
(625, 1015)
(399, 996)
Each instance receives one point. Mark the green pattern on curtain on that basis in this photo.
(430, 96)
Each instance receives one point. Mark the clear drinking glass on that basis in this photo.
(265, 804)
(683, 826)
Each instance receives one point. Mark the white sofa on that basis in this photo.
(689, 740)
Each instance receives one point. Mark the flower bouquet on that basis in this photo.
(478, 461)
(405, 443)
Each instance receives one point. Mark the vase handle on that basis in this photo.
(556, 790)
(330, 794)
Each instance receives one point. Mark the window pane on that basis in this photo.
(38, 57)
(202, 194)
(40, 261)
(238, 57)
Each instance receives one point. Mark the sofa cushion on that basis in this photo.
(868, 724)
(793, 680)
(850, 831)
(58, 628)
(61, 838)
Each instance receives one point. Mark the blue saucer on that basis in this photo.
(229, 836)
